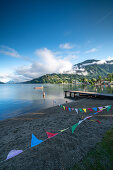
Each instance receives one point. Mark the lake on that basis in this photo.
(17, 99)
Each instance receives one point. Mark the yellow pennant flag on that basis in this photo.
(63, 130)
(84, 110)
(64, 107)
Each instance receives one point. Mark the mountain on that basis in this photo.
(11, 82)
(1, 82)
(89, 68)
(93, 68)
(55, 78)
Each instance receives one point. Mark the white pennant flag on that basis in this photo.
(76, 110)
(80, 122)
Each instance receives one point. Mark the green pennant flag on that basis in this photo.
(109, 107)
(74, 127)
(80, 109)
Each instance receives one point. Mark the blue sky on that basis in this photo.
(45, 36)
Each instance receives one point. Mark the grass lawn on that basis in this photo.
(99, 158)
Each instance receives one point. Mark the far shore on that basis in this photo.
(61, 151)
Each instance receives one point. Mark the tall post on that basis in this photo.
(65, 94)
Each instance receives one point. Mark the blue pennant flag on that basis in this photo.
(35, 141)
(95, 108)
(69, 109)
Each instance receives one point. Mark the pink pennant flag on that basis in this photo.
(72, 108)
(13, 153)
(90, 109)
(50, 135)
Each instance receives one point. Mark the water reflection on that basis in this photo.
(14, 98)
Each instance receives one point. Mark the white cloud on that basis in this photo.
(9, 51)
(48, 64)
(5, 77)
(91, 51)
(109, 58)
(66, 46)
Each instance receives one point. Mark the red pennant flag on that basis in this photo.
(67, 108)
(90, 109)
(98, 121)
(50, 135)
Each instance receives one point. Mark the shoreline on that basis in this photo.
(64, 150)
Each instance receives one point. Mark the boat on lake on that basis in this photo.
(38, 88)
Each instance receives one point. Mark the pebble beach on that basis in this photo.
(60, 152)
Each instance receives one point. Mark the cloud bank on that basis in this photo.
(49, 63)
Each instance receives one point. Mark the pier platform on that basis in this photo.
(73, 94)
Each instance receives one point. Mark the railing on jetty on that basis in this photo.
(73, 94)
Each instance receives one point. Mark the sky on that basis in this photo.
(39, 37)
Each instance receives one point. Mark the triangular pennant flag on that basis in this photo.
(50, 135)
(72, 108)
(88, 117)
(98, 121)
(76, 110)
(64, 107)
(90, 109)
(13, 153)
(80, 122)
(101, 108)
(84, 109)
(80, 109)
(74, 127)
(94, 108)
(59, 105)
(69, 109)
(35, 141)
(108, 108)
(63, 130)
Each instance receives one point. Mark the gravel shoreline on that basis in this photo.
(60, 152)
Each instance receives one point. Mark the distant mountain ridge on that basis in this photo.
(93, 68)
(89, 68)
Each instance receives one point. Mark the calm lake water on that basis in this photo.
(17, 99)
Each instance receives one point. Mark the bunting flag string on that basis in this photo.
(35, 141)
(85, 109)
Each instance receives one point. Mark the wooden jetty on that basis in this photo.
(73, 94)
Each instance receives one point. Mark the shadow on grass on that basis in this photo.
(99, 158)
